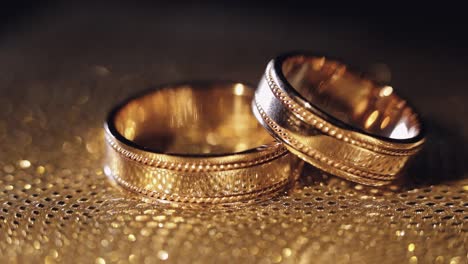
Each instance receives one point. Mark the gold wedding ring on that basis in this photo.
(196, 143)
(337, 119)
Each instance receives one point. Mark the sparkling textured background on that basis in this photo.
(61, 72)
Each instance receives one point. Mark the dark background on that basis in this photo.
(429, 24)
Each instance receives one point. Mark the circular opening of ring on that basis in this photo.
(192, 119)
(359, 102)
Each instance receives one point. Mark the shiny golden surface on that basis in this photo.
(56, 204)
(196, 118)
(337, 120)
(195, 143)
(351, 98)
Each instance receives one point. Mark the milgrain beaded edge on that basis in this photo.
(314, 154)
(194, 166)
(274, 188)
(327, 128)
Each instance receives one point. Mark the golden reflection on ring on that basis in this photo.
(197, 143)
(337, 119)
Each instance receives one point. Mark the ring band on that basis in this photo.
(197, 143)
(336, 119)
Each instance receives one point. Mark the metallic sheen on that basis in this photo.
(193, 143)
(336, 119)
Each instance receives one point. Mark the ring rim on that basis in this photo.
(289, 89)
(110, 128)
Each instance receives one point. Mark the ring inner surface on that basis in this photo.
(359, 102)
(193, 119)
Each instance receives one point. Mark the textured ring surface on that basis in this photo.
(336, 119)
(195, 143)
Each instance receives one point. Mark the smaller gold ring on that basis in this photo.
(197, 143)
(336, 119)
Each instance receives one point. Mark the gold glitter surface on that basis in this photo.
(56, 204)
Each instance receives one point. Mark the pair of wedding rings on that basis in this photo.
(199, 142)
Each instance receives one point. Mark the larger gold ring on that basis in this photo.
(336, 119)
(197, 143)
